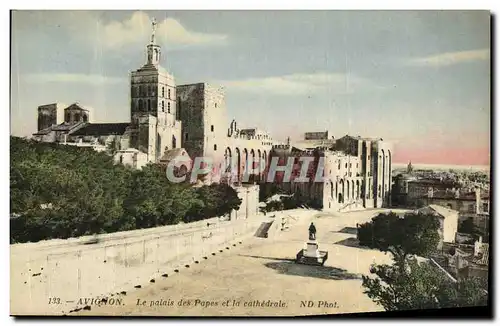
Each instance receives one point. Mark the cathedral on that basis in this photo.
(164, 117)
(169, 121)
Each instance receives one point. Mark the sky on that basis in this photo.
(419, 79)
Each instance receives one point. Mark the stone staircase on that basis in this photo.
(349, 207)
(263, 230)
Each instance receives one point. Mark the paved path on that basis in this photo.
(261, 271)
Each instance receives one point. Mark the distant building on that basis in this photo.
(50, 115)
(400, 189)
(179, 161)
(448, 220)
(409, 169)
(463, 261)
(57, 122)
(202, 110)
(419, 189)
(131, 157)
(356, 171)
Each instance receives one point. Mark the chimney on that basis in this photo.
(477, 246)
(478, 200)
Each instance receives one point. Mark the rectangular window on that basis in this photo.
(169, 93)
(215, 147)
(485, 207)
(186, 136)
(212, 128)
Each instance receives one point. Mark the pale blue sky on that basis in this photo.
(420, 79)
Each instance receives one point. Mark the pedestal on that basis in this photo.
(312, 249)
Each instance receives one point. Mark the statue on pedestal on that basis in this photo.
(312, 232)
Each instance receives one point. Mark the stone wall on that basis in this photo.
(191, 108)
(49, 115)
(70, 269)
(249, 195)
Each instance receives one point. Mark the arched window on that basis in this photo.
(174, 142)
(121, 159)
(169, 93)
(77, 117)
(163, 91)
(162, 106)
(85, 118)
(140, 105)
(215, 147)
(68, 117)
(168, 107)
(149, 105)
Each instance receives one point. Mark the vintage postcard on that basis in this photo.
(249, 163)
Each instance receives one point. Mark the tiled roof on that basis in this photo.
(60, 127)
(436, 209)
(173, 153)
(484, 260)
(102, 129)
(435, 182)
(67, 126)
(249, 131)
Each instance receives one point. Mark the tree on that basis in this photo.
(113, 146)
(413, 234)
(59, 191)
(230, 200)
(421, 286)
(218, 200)
(467, 226)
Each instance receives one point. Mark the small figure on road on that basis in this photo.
(312, 232)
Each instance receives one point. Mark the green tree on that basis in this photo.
(413, 234)
(421, 286)
(112, 147)
(466, 226)
(217, 200)
(59, 191)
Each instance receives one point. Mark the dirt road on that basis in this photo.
(259, 278)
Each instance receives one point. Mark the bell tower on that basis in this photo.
(154, 125)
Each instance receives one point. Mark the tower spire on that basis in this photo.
(153, 49)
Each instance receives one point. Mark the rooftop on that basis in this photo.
(437, 210)
(102, 129)
(172, 154)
